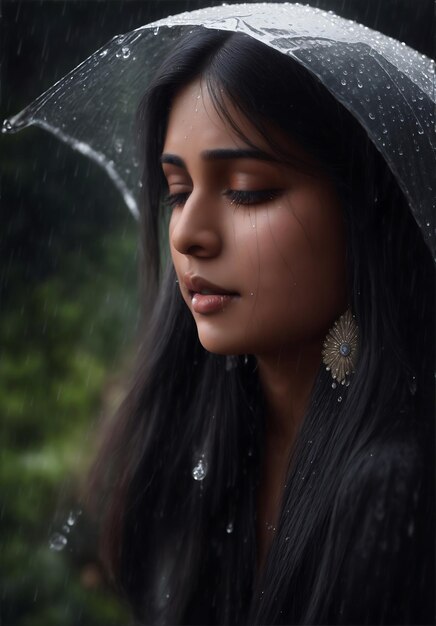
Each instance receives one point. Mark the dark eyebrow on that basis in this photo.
(172, 159)
(223, 153)
(238, 153)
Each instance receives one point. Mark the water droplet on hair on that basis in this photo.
(199, 470)
(57, 542)
(334, 384)
(125, 52)
(229, 528)
(66, 529)
(118, 145)
(73, 516)
(413, 385)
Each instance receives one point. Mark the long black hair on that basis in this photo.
(354, 541)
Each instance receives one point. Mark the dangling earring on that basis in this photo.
(341, 347)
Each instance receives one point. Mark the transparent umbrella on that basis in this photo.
(387, 86)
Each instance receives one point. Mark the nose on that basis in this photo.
(195, 228)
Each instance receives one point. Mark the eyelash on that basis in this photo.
(236, 196)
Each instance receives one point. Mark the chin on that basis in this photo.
(222, 343)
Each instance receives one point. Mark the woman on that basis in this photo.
(269, 467)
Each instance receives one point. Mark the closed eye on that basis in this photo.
(237, 197)
(175, 200)
(247, 198)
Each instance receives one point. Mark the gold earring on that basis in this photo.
(341, 347)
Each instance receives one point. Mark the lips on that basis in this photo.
(206, 297)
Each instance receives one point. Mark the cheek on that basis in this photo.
(297, 263)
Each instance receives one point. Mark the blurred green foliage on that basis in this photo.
(69, 311)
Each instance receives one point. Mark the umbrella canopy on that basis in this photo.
(387, 86)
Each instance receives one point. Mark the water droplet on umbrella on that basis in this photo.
(7, 127)
(199, 470)
(57, 542)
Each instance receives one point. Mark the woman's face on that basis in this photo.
(257, 244)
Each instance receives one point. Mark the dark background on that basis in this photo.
(68, 303)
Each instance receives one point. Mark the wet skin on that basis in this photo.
(258, 248)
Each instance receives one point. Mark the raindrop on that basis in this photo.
(420, 131)
(199, 470)
(340, 399)
(125, 52)
(334, 384)
(119, 145)
(229, 528)
(359, 84)
(343, 82)
(7, 127)
(156, 31)
(73, 516)
(371, 116)
(103, 53)
(413, 385)
(57, 542)
(66, 529)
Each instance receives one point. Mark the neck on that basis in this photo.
(287, 379)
